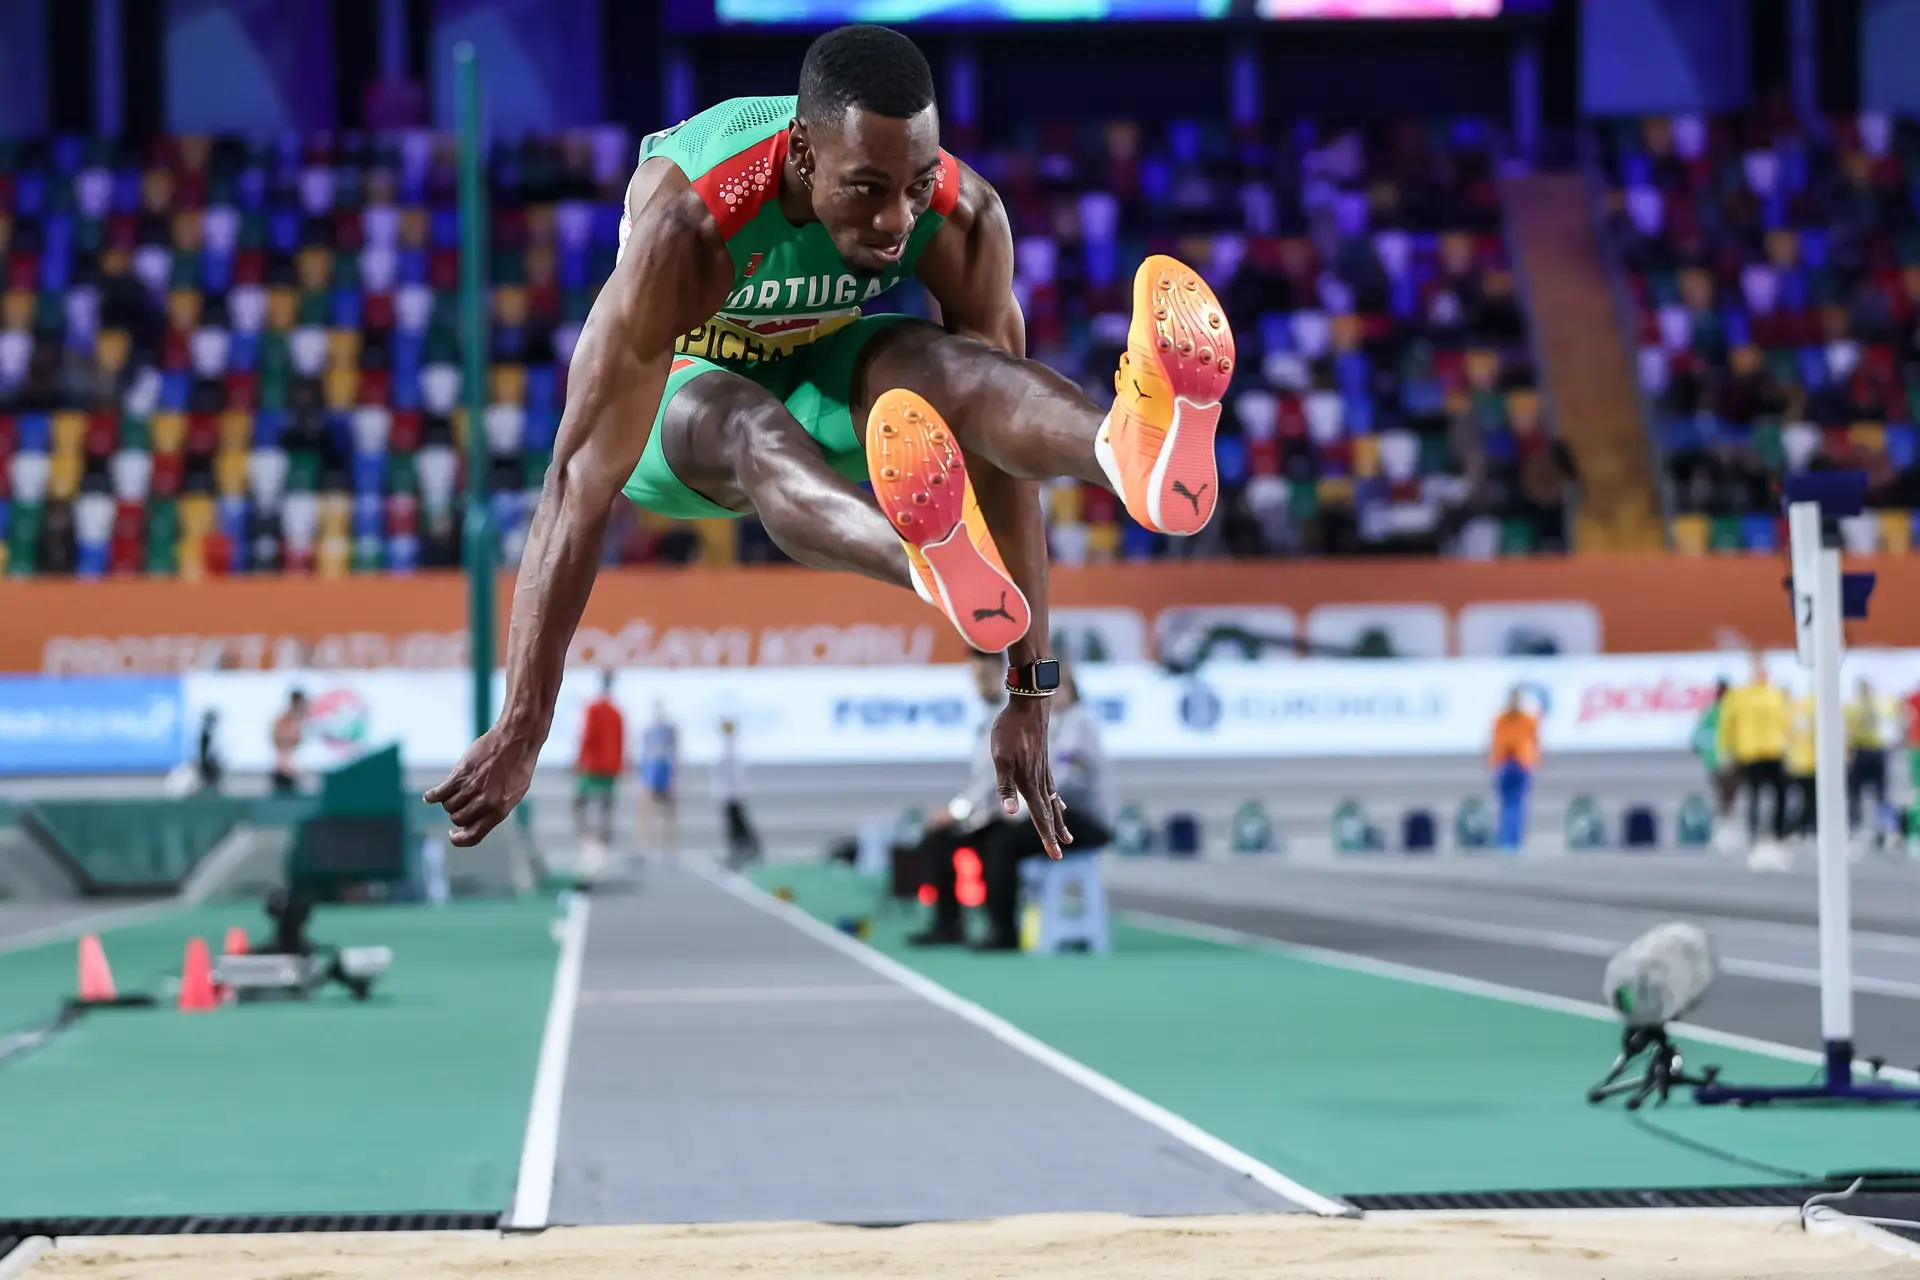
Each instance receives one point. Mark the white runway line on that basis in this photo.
(1554, 940)
(533, 1193)
(1475, 987)
(871, 993)
(93, 922)
(21, 1260)
(1047, 1056)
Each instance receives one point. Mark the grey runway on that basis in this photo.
(725, 1067)
(1548, 927)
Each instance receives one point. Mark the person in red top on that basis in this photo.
(603, 755)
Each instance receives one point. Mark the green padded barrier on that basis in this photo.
(139, 844)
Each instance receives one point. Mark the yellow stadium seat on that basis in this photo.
(1483, 368)
(1194, 248)
(1910, 281)
(63, 476)
(1783, 247)
(69, 433)
(335, 511)
(1859, 168)
(1690, 535)
(313, 267)
(458, 420)
(1868, 437)
(183, 309)
(115, 263)
(196, 514)
(1366, 457)
(156, 191)
(1497, 284)
(1065, 503)
(540, 264)
(1457, 403)
(169, 432)
(3, 559)
(1103, 540)
(508, 384)
(342, 388)
(188, 231)
(1896, 532)
(343, 348)
(1344, 333)
(192, 553)
(717, 543)
(1523, 411)
(194, 149)
(110, 350)
(1696, 289)
(16, 310)
(236, 431)
(230, 473)
(333, 557)
(1745, 360)
(283, 308)
(1336, 491)
(413, 228)
(6, 231)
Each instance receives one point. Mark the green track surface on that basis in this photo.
(416, 1100)
(1354, 1084)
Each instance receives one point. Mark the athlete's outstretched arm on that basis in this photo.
(673, 275)
(968, 269)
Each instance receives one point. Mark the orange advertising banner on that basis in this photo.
(786, 615)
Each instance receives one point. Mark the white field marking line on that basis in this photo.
(1556, 940)
(93, 922)
(1047, 1056)
(873, 993)
(1476, 987)
(1825, 1220)
(1775, 1216)
(540, 1149)
(21, 1260)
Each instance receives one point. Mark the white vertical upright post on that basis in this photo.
(1817, 609)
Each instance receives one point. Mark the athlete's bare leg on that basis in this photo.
(733, 443)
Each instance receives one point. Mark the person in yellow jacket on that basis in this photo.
(1753, 735)
(1799, 762)
(1869, 718)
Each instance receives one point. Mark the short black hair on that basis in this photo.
(867, 68)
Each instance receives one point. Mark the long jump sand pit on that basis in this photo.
(1066, 1247)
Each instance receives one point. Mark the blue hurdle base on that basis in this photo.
(1839, 1085)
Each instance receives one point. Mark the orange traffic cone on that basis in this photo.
(236, 944)
(196, 979)
(96, 979)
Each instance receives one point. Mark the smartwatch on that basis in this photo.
(1035, 679)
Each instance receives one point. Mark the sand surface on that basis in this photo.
(1067, 1247)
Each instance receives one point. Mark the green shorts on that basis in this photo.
(815, 382)
(596, 784)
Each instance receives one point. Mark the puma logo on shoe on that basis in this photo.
(1138, 393)
(1180, 487)
(981, 615)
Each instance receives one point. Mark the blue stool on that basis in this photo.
(1044, 882)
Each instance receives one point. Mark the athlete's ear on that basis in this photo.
(800, 152)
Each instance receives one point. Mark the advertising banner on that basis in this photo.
(89, 725)
(853, 715)
(791, 617)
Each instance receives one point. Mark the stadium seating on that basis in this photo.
(1775, 273)
(223, 357)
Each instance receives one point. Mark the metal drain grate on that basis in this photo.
(14, 1230)
(1643, 1198)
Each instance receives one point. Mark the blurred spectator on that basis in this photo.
(659, 766)
(1706, 746)
(969, 818)
(1867, 717)
(1080, 776)
(1801, 764)
(603, 754)
(1514, 757)
(288, 729)
(1753, 734)
(729, 788)
(206, 760)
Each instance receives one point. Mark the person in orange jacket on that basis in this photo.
(1513, 756)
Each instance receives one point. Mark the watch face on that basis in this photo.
(1046, 674)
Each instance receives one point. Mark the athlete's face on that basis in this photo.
(871, 179)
